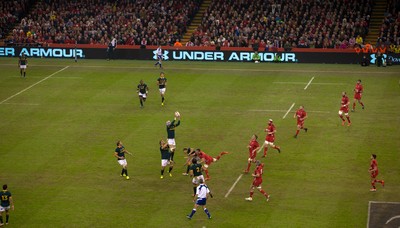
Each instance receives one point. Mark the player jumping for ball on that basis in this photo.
(171, 134)
(270, 138)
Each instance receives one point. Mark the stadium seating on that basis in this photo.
(390, 32)
(96, 21)
(274, 23)
(11, 12)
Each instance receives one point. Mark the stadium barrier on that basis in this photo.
(296, 55)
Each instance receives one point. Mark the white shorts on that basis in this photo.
(4, 208)
(22, 66)
(144, 95)
(341, 112)
(196, 180)
(123, 162)
(171, 142)
(266, 143)
(162, 91)
(164, 162)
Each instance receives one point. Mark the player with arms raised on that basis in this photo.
(344, 108)
(258, 172)
(171, 133)
(162, 86)
(165, 155)
(253, 148)
(270, 138)
(373, 170)
(358, 90)
(301, 115)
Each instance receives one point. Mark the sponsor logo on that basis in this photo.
(229, 56)
(164, 56)
(43, 52)
(373, 58)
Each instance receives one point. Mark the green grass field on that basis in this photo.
(57, 139)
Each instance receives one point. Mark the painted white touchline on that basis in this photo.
(33, 85)
(309, 83)
(233, 186)
(288, 111)
(74, 77)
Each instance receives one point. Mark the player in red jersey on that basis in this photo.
(207, 159)
(358, 90)
(373, 170)
(344, 108)
(270, 138)
(253, 148)
(301, 115)
(257, 182)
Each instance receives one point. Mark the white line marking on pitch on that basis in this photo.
(271, 110)
(233, 186)
(33, 85)
(309, 83)
(72, 77)
(315, 83)
(288, 111)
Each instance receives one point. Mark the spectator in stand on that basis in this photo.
(359, 41)
(143, 43)
(178, 44)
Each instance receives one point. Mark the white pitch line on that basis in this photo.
(315, 83)
(309, 83)
(33, 85)
(271, 110)
(288, 111)
(233, 186)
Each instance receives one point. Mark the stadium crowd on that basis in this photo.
(11, 12)
(277, 23)
(97, 21)
(390, 33)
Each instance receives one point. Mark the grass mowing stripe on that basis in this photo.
(33, 85)
(233, 186)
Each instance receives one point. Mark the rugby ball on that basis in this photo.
(177, 114)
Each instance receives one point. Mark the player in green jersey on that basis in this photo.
(6, 204)
(142, 91)
(22, 63)
(165, 155)
(120, 155)
(196, 172)
(162, 86)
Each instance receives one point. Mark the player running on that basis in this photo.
(202, 192)
(142, 90)
(270, 138)
(22, 63)
(344, 108)
(162, 86)
(207, 160)
(373, 170)
(159, 54)
(165, 155)
(301, 115)
(253, 148)
(171, 134)
(358, 90)
(196, 172)
(6, 203)
(258, 172)
(120, 155)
